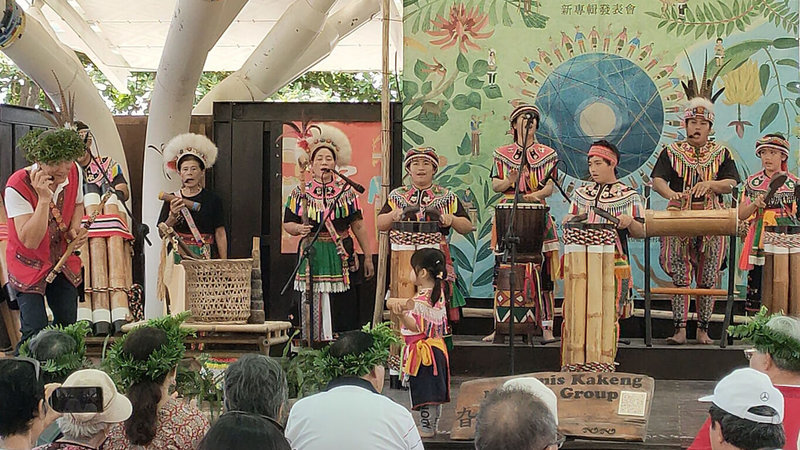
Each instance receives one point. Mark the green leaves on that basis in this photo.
(738, 54)
(763, 76)
(492, 91)
(769, 115)
(712, 18)
(461, 63)
(781, 14)
(465, 148)
(785, 42)
(471, 100)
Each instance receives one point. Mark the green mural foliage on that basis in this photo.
(468, 62)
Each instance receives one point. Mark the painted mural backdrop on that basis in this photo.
(596, 69)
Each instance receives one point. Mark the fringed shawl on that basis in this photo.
(758, 184)
(695, 165)
(433, 198)
(431, 320)
(615, 198)
(541, 160)
(318, 203)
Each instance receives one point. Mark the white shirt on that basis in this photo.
(16, 205)
(350, 416)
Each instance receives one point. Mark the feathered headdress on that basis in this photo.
(330, 137)
(189, 144)
(701, 93)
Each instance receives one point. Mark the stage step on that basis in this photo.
(473, 357)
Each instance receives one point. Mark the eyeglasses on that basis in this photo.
(36, 366)
(749, 352)
(267, 418)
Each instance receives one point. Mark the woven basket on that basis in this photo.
(218, 290)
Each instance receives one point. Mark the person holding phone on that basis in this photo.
(24, 412)
(89, 404)
(44, 203)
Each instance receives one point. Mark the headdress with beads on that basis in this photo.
(330, 137)
(427, 153)
(776, 143)
(189, 144)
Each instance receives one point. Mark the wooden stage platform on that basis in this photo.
(675, 417)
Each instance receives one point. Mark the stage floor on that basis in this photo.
(675, 417)
(472, 357)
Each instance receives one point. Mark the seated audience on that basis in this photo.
(236, 429)
(536, 388)
(23, 406)
(746, 412)
(514, 419)
(256, 384)
(351, 413)
(775, 352)
(145, 360)
(88, 430)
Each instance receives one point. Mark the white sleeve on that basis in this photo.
(79, 198)
(413, 440)
(16, 205)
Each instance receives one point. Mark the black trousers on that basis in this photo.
(62, 297)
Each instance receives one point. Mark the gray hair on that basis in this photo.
(789, 326)
(255, 384)
(73, 429)
(513, 419)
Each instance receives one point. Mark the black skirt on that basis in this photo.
(427, 388)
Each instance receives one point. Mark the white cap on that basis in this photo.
(746, 388)
(116, 407)
(538, 389)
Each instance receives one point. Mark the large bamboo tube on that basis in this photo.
(576, 322)
(766, 278)
(98, 255)
(594, 303)
(608, 348)
(780, 283)
(794, 282)
(400, 284)
(116, 275)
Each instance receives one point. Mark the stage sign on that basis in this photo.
(592, 405)
(363, 141)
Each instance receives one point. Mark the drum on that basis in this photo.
(708, 222)
(407, 237)
(780, 279)
(526, 295)
(589, 332)
(529, 226)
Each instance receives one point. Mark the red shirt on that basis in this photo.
(27, 268)
(791, 421)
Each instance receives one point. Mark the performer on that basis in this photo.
(425, 359)
(773, 150)
(95, 167)
(44, 203)
(606, 192)
(423, 195)
(334, 256)
(201, 227)
(540, 163)
(692, 174)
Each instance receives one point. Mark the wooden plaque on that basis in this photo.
(595, 405)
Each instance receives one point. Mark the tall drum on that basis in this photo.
(529, 226)
(780, 280)
(406, 238)
(588, 335)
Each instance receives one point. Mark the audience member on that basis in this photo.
(23, 406)
(515, 419)
(351, 413)
(256, 384)
(536, 388)
(237, 429)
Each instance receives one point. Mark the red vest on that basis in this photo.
(27, 268)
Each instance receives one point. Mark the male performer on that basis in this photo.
(773, 150)
(424, 195)
(538, 171)
(692, 175)
(606, 192)
(44, 203)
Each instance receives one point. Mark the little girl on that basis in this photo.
(425, 361)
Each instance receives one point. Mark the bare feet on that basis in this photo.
(702, 337)
(489, 338)
(679, 338)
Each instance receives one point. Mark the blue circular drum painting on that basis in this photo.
(600, 96)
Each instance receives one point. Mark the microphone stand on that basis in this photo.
(304, 255)
(510, 241)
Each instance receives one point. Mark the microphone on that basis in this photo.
(357, 187)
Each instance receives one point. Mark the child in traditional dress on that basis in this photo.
(426, 363)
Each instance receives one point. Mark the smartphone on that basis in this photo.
(77, 399)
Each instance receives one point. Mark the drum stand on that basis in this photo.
(648, 314)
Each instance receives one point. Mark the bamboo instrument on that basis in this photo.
(609, 341)
(780, 280)
(766, 279)
(594, 303)
(116, 275)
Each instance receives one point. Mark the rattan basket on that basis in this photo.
(218, 290)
